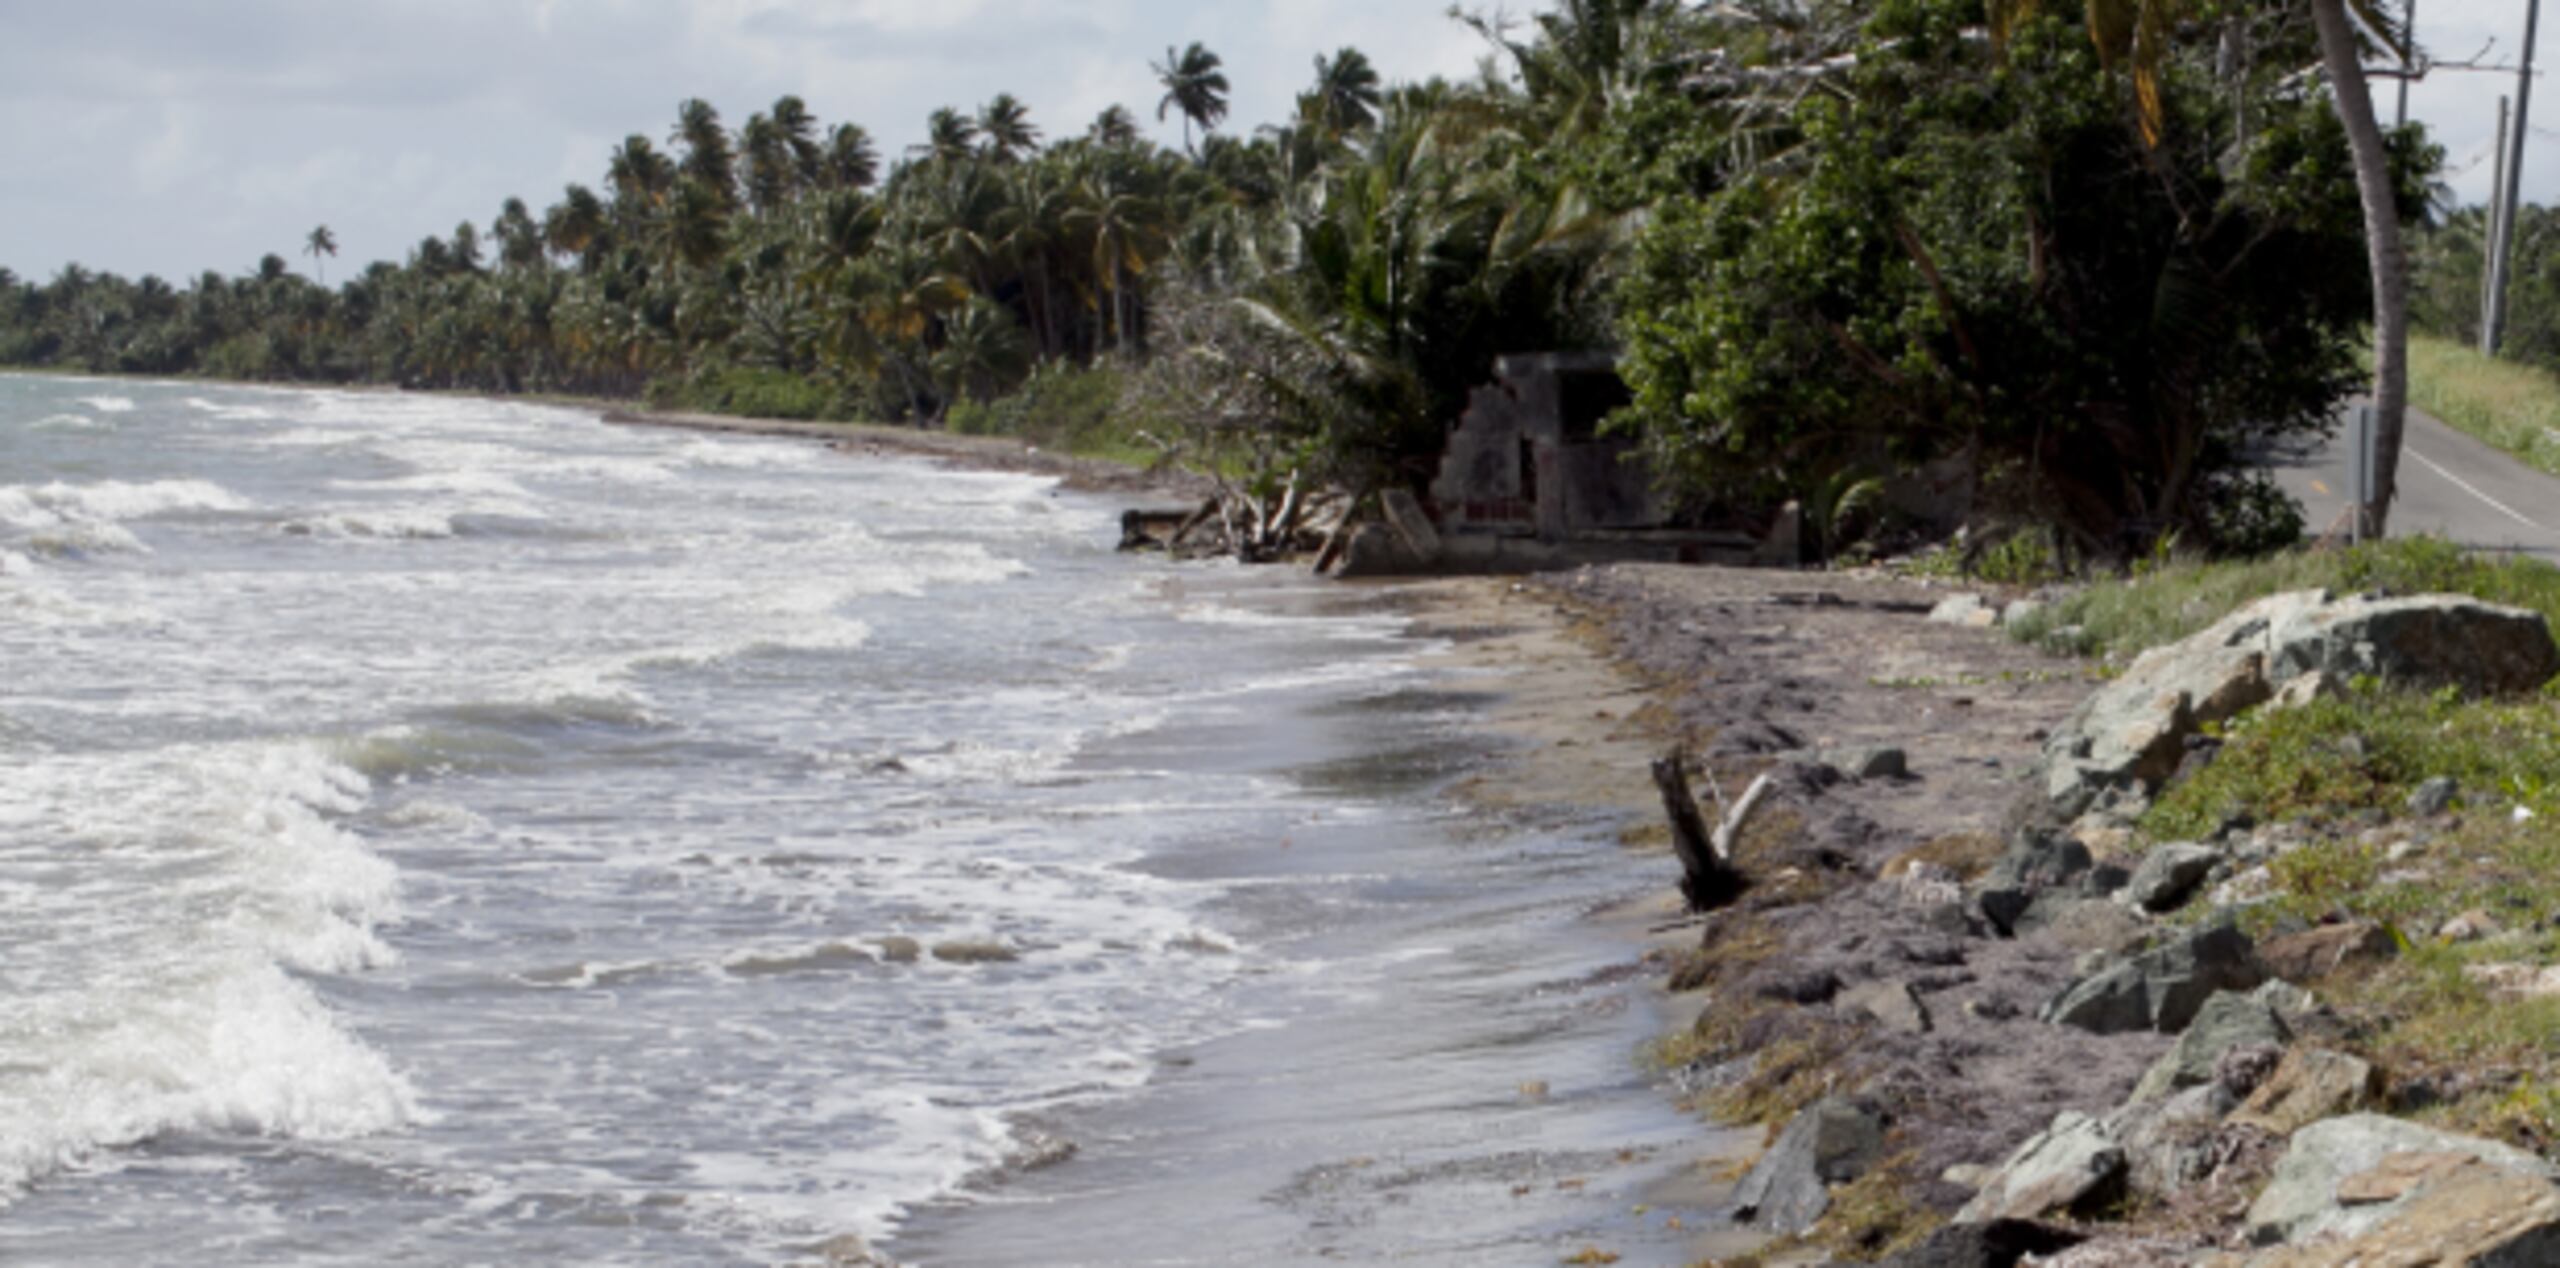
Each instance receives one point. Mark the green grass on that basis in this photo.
(2164, 604)
(2514, 407)
(1076, 410)
(753, 392)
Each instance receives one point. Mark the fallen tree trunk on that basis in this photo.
(1708, 879)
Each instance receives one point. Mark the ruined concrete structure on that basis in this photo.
(1527, 460)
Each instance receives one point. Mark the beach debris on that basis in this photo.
(1708, 878)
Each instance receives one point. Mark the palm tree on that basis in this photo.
(707, 156)
(1347, 90)
(1195, 85)
(576, 224)
(639, 174)
(1113, 128)
(320, 243)
(1005, 131)
(771, 170)
(519, 238)
(850, 161)
(949, 136)
(799, 131)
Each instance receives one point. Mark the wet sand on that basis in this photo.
(1482, 1101)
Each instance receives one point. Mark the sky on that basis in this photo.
(176, 136)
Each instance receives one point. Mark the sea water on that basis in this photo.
(435, 830)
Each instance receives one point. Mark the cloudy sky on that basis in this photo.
(172, 136)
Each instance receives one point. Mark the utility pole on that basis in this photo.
(2514, 181)
(2497, 212)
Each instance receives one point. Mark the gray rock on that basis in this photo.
(1963, 609)
(2073, 1167)
(1832, 1141)
(2161, 989)
(1997, 1244)
(2034, 863)
(2169, 874)
(1875, 763)
(2434, 797)
(2174, 1141)
(2228, 1020)
(2088, 926)
(1892, 1004)
(2302, 1200)
(2133, 731)
(2021, 611)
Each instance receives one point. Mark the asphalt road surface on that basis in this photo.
(2450, 485)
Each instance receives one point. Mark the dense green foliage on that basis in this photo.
(1975, 252)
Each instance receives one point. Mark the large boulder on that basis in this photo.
(2168, 874)
(1832, 1141)
(2161, 989)
(2228, 1020)
(2172, 1142)
(2334, 1182)
(1997, 1244)
(2133, 731)
(2073, 1167)
(2448, 1209)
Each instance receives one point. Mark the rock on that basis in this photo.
(2470, 926)
(974, 953)
(1969, 1175)
(1996, 1244)
(1964, 609)
(2228, 1020)
(1893, 1005)
(2021, 611)
(2133, 730)
(2070, 1168)
(1832, 1141)
(2310, 1084)
(2160, 989)
(2434, 797)
(2298, 692)
(2316, 953)
(1375, 550)
(2085, 926)
(900, 950)
(2174, 1141)
(2429, 640)
(2034, 862)
(2291, 1002)
(1794, 985)
(2168, 874)
(2302, 1200)
(2251, 885)
(2446, 1209)
(2516, 981)
(1874, 763)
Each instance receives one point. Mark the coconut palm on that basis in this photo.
(1005, 133)
(320, 243)
(1347, 90)
(639, 174)
(771, 169)
(708, 158)
(519, 238)
(1194, 84)
(576, 224)
(850, 160)
(950, 136)
(1113, 128)
(800, 132)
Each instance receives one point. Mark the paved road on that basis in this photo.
(2450, 485)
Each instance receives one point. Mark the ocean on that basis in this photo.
(435, 830)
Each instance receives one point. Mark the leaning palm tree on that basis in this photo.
(948, 135)
(850, 161)
(1005, 133)
(708, 158)
(1113, 128)
(1195, 85)
(1347, 90)
(320, 243)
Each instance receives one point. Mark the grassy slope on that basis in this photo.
(2344, 769)
(2514, 407)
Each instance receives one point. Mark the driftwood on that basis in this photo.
(1708, 878)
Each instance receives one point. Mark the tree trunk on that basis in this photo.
(1707, 878)
(2354, 101)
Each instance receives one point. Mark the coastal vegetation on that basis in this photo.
(1833, 242)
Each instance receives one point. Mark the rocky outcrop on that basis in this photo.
(2345, 1177)
(2168, 874)
(2161, 989)
(1832, 1141)
(2133, 731)
(2447, 1209)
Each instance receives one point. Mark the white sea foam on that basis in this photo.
(69, 422)
(108, 404)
